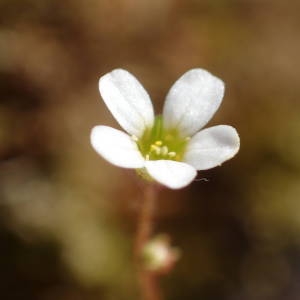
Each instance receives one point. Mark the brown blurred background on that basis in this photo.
(67, 217)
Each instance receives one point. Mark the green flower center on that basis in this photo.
(158, 143)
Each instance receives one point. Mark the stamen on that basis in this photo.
(156, 149)
(164, 150)
(172, 154)
(160, 143)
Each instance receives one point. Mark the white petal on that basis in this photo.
(127, 100)
(192, 101)
(212, 146)
(172, 174)
(117, 147)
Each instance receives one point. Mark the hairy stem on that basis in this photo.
(149, 287)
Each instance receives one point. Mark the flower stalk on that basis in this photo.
(167, 149)
(148, 280)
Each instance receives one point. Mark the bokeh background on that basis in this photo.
(68, 218)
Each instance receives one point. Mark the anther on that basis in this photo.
(153, 147)
(164, 150)
(172, 154)
(158, 143)
(156, 149)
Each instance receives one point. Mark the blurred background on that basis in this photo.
(68, 218)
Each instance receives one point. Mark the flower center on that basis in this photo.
(158, 143)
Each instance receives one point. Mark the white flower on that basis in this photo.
(169, 148)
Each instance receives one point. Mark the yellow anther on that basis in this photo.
(164, 150)
(158, 143)
(147, 157)
(187, 138)
(153, 147)
(172, 154)
(156, 149)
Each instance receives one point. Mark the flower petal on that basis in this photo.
(127, 100)
(192, 101)
(212, 146)
(172, 174)
(117, 147)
